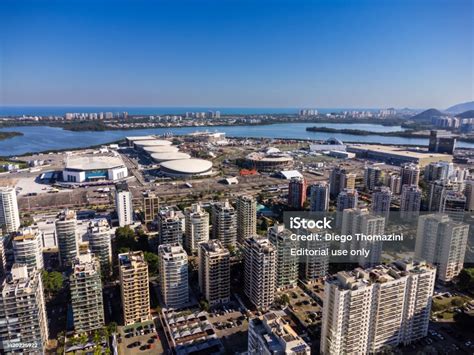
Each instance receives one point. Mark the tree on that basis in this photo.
(52, 281)
(125, 238)
(204, 305)
(112, 327)
(152, 261)
(466, 279)
(142, 241)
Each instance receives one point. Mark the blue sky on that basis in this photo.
(294, 53)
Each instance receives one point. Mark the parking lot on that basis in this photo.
(231, 327)
(139, 339)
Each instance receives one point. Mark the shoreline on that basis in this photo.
(360, 132)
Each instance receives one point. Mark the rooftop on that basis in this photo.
(93, 162)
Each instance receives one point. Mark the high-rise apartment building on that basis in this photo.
(442, 241)
(260, 271)
(394, 182)
(123, 205)
(469, 193)
(28, 248)
(99, 236)
(134, 289)
(453, 203)
(410, 174)
(224, 223)
(319, 197)
(437, 189)
(438, 171)
(271, 334)
(373, 177)
(361, 221)
(9, 216)
(286, 263)
(368, 309)
(151, 207)
(173, 271)
(346, 199)
(381, 200)
(67, 236)
(170, 227)
(86, 294)
(214, 272)
(297, 192)
(339, 180)
(23, 312)
(196, 227)
(410, 201)
(246, 217)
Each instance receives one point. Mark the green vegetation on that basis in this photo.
(446, 303)
(466, 279)
(7, 135)
(52, 282)
(360, 132)
(152, 261)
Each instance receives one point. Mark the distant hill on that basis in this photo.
(466, 114)
(427, 115)
(465, 106)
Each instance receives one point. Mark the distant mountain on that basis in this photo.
(466, 106)
(427, 115)
(466, 114)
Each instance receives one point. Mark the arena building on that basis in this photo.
(134, 139)
(271, 160)
(141, 144)
(186, 168)
(161, 149)
(86, 168)
(166, 156)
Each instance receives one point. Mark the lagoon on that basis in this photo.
(44, 138)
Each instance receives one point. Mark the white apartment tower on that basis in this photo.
(246, 217)
(67, 236)
(442, 241)
(224, 223)
(123, 205)
(214, 272)
(367, 309)
(9, 216)
(23, 311)
(196, 227)
(173, 271)
(98, 233)
(260, 271)
(286, 263)
(86, 294)
(135, 294)
(360, 221)
(28, 248)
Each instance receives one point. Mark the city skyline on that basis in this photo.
(270, 54)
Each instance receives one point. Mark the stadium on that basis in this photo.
(86, 168)
(270, 160)
(186, 168)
